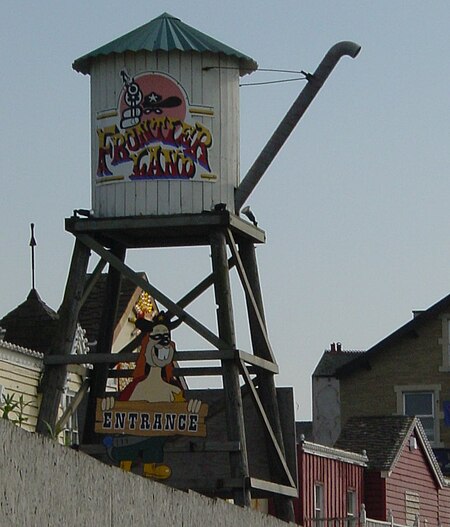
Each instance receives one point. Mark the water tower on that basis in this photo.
(165, 173)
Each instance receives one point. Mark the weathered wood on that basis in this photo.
(234, 408)
(268, 428)
(201, 287)
(75, 403)
(204, 446)
(266, 389)
(252, 305)
(258, 361)
(114, 358)
(90, 284)
(156, 294)
(54, 378)
(273, 488)
(184, 230)
(99, 374)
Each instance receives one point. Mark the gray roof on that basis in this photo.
(30, 325)
(332, 360)
(381, 437)
(165, 33)
(408, 330)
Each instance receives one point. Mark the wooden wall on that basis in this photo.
(20, 380)
(412, 477)
(216, 88)
(19, 376)
(337, 478)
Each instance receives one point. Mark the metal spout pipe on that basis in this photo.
(292, 117)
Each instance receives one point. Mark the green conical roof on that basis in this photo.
(165, 33)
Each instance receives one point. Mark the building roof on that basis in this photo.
(333, 453)
(165, 33)
(383, 439)
(331, 361)
(410, 329)
(91, 312)
(30, 325)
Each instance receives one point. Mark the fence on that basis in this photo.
(362, 521)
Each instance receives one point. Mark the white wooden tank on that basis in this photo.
(164, 121)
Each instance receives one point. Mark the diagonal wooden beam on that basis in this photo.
(93, 280)
(249, 293)
(202, 287)
(71, 409)
(152, 290)
(268, 427)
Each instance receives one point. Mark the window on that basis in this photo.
(421, 404)
(422, 401)
(351, 508)
(318, 504)
(70, 431)
(412, 506)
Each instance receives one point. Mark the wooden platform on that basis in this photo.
(180, 230)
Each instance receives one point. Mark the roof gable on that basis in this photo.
(408, 329)
(165, 33)
(384, 438)
(331, 361)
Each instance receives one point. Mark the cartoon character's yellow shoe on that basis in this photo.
(157, 471)
(126, 465)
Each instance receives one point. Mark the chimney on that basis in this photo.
(333, 347)
(338, 347)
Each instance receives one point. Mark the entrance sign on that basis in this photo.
(152, 407)
(151, 419)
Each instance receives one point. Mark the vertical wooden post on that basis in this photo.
(54, 378)
(266, 389)
(99, 374)
(233, 397)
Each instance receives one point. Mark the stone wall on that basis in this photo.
(45, 484)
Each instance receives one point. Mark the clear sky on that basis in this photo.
(355, 206)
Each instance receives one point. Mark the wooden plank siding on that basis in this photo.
(20, 380)
(215, 88)
(336, 476)
(412, 473)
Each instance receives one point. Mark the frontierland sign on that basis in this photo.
(150, 137)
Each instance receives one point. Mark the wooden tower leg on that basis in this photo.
(54, 378)
(99, 374)
(267, 389)
(233, 397)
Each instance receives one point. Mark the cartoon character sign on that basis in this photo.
(152, 407)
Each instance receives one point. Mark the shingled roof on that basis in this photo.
(410, 329)
(165, 33)
(331, 361)
(380, 436)
(31, 324)
(91, 312)
(384, 438)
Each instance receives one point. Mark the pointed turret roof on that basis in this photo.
(165, 33)
(31, 324)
